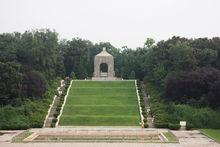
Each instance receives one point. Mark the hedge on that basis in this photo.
(174, 126)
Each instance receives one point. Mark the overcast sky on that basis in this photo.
(121, 22)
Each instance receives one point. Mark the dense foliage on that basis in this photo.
(183, 78)
(167, 113)
(28, 63)
(31, 113)
(197, 87)
(184, 72)
(29, 66)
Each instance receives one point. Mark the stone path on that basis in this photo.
(146, 102)
(53, 106)
(194, 139)
(6, 136)
(52, 112)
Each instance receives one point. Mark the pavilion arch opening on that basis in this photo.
(103, 70)
(103, 67)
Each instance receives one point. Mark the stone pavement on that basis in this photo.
(86, 145)
(8, 135)
(194, 139)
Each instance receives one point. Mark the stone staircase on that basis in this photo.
(146, 102)
(52, 110)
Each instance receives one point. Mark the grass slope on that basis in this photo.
(101, 103)
(170, 137)
(212, 133)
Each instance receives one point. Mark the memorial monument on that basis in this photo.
(104, 66)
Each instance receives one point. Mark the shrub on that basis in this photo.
(197, 117)
(145, 115)
(189, 126)
(174, 126)
(62, 95)
(61, 100)
(144, 112)
(57, 93)
(141, 94)
(145, 125)
(65, 90)
(141, 97)
(145, 120)
(52, 125)
(143, 108)
(55, 115)
(60, 104)
(161, 125)
(67, 84)
(54, 120)
(58, 109)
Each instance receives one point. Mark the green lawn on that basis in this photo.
(212, 133)
(20, 137)
(101, 103)
(170, 137)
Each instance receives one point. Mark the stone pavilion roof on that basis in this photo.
(104, 53)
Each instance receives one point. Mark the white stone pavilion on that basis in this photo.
(104, 66)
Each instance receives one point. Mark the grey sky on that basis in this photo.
(121, 22)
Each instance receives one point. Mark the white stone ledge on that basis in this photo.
(139, 104)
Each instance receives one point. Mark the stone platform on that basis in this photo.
(105, 78)
(96, 134)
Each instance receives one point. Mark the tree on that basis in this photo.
(77, 57)
(38, 50)
(149, 43)
(195, 87)
(205, 57)
(10, 83)
(214, 94)
(159, 61)
(34, 84)
(72, 75)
